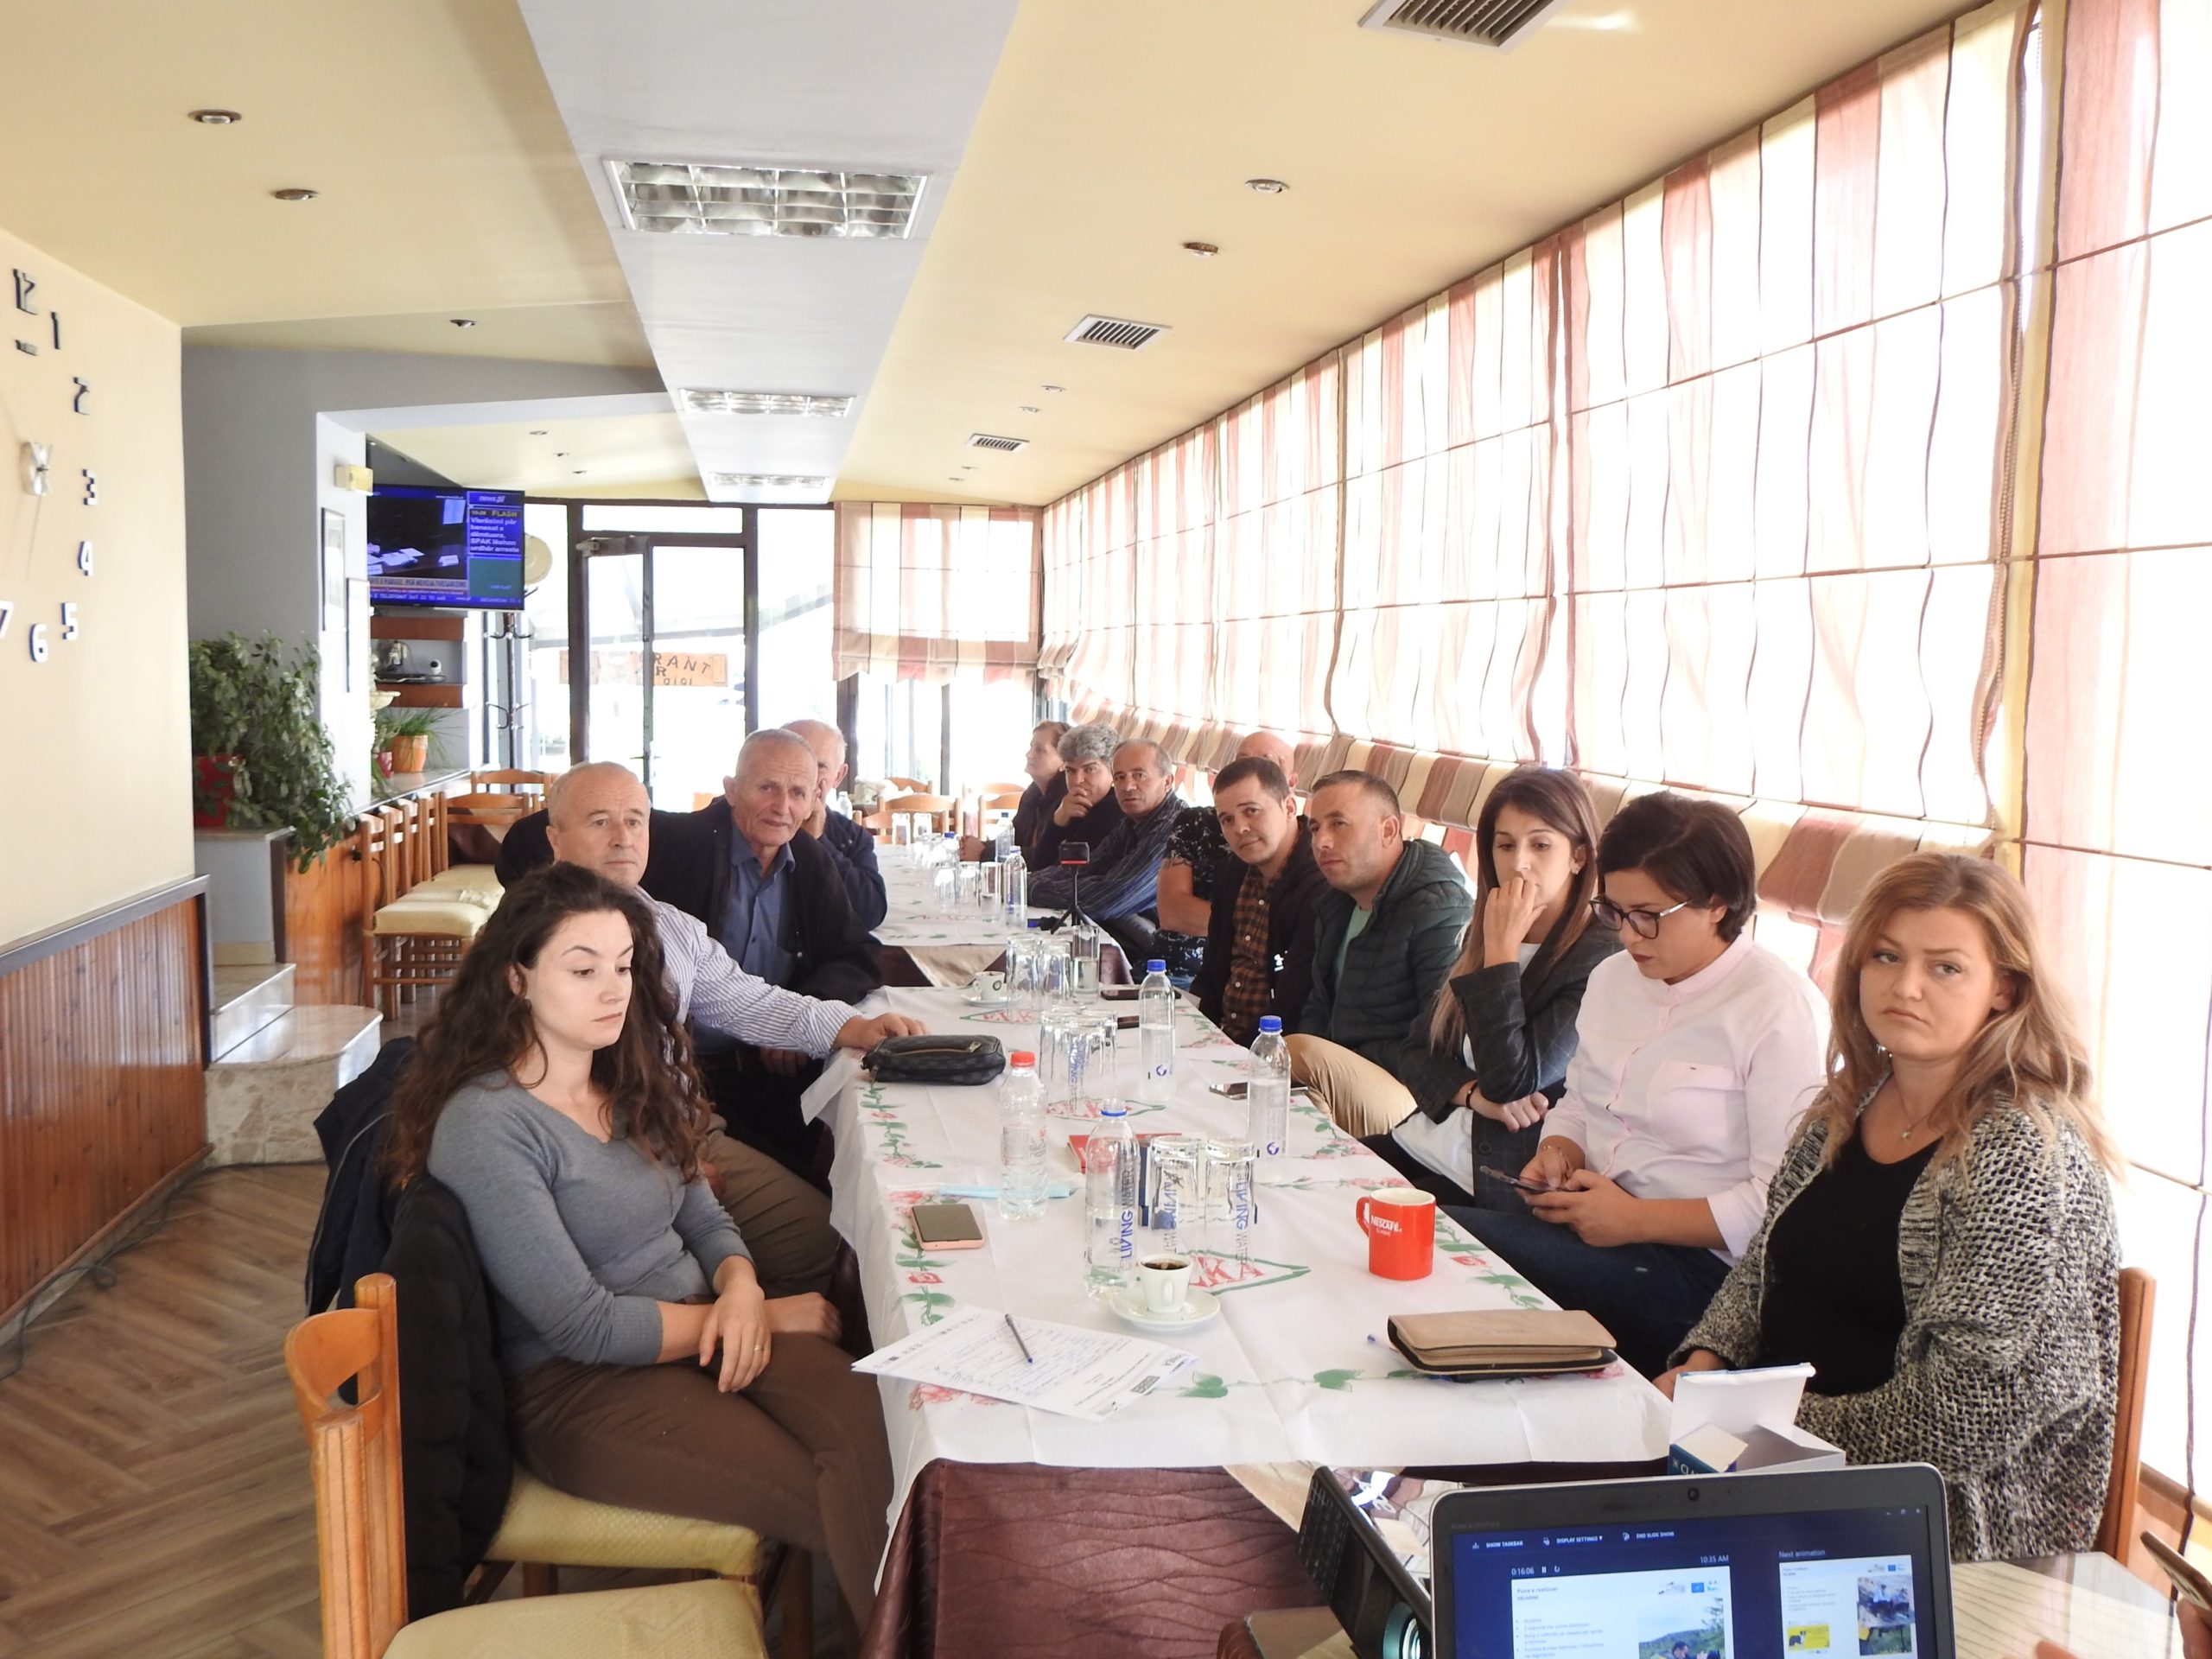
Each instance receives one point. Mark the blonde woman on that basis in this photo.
(1938, 1240)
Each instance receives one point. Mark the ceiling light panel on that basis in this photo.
(699, 400)
(710, 199)
(766, 481)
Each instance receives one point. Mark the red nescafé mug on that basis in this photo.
(1400, 1223)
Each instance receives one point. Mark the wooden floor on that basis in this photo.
(154, 1493)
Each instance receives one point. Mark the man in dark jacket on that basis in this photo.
(1080, 800)
(1387, 932)
(773, 897)
(846, 841)
(1267, 894)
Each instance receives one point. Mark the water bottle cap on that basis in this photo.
(1113, 1108)
(1155, 966)
(1021, 1056)
(1270, 1022)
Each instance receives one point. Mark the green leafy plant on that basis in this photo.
(415, 723)
(253, 704)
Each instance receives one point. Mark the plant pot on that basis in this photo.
(214, 784)
(410, 753)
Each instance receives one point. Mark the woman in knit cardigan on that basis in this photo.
(1939, 1241)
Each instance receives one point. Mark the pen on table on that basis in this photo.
(1018, 1342)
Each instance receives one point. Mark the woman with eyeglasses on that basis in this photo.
(1939, 1243)
(1697, 1051)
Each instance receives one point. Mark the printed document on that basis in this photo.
(1080, 1373)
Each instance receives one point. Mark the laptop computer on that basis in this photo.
(1822, 1564)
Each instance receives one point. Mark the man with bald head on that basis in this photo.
(598, 816)
(1195, 850)
(772, 896)
(844, 841)
(1119, 886)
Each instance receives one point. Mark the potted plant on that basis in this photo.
(260, 754)
(411, 740)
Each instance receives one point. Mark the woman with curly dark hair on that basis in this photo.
(554, 1094)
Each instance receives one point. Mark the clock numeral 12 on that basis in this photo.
(77, 403)
(85, 558)
(69, 619)
(91, 486)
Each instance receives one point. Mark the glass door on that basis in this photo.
(696, 694)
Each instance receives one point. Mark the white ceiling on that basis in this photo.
(851, 84)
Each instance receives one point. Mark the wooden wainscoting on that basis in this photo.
(103, 1042)
(323, 914)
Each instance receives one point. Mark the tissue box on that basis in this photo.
(1737, 1422)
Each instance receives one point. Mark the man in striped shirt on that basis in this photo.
(598, 816)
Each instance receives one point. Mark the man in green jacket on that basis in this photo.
(1387, 930)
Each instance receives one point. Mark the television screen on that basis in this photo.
(445, 547)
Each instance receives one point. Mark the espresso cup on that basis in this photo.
(1400, 1223)
(987, 988)
(1166, 1283)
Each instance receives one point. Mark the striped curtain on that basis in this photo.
(2117, 767)
(935, 593)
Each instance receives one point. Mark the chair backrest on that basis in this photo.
(513, 782)
(910, 784)
(1004, 801)
(487, 809)
(353, 1452)
(2138, 1295)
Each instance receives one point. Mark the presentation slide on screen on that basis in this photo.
(1682, 1613)
(1856, 1605)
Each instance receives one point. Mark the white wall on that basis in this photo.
(264, 433)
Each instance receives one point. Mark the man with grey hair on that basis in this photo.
(1119, 886)
(772, 897)
(598, 816)
(851, 846)
(1082, 797)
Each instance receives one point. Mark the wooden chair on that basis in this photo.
(354, 1457)
(911, 785)
(994, 810)
(2138, 1295)
(415, 931)
(939, 811)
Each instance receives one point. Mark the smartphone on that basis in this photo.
(1120, 993)
(1514, 1181)
(2189, 1582)
(947, 1227)
(1126, 1022)
(1236, 1090)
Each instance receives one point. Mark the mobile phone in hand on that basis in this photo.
(1514, 1181)
(2190, 1584)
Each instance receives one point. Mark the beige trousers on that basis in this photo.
(1359, 1095)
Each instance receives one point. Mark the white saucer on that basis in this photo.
(1200, 1306)
(974, 1001)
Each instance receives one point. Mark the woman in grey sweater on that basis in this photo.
(554, 1094)
(1939, 1241)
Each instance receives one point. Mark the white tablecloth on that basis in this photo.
(948, 949)
(1297, 1366)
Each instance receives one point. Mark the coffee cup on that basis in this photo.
(1166, 1283)
(987, 988)
(1400, 1223)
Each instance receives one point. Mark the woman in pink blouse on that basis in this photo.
(1697, 1051)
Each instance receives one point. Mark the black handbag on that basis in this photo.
(933, 1059)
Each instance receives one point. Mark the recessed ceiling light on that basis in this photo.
(954, 477)
(766, 481)
(295, 192)
(216, 117)
(576, 472)
(462, 322)
(1266, 187)
(967, 466)
(1031, 409)
(703, 401)
(710, 199)
(560, 454)
(538, 432)
(1056, 388)
(1200, 250)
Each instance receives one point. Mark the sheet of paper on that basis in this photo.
(1080, 1373)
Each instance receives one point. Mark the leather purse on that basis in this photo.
(935, 1059)
(1503, 1341)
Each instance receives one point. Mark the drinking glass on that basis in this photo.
(991, 891)
(1056, 973)
(946, 880)
(1024, 957)
(1083, 946)
(1232, 1171)
(970, 877)
(1178, 1199)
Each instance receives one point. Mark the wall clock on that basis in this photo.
(58, 474)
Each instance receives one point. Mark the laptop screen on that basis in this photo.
(1680, 1581)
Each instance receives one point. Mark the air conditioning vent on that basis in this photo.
(1495, 23)
(701, 400)
(1117, 331)
(985, 441)
(766, 481)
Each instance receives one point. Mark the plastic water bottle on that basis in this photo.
(1014, 884)
(1110, 1204)
(1005, 840)
(1156, 1035)
(1022, 1139)
(949, 849)
(1267, 1091)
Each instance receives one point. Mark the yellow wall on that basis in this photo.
(95, 768)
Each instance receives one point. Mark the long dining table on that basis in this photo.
(1020, 1531)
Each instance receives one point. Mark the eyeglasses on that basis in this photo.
(1645, 922)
